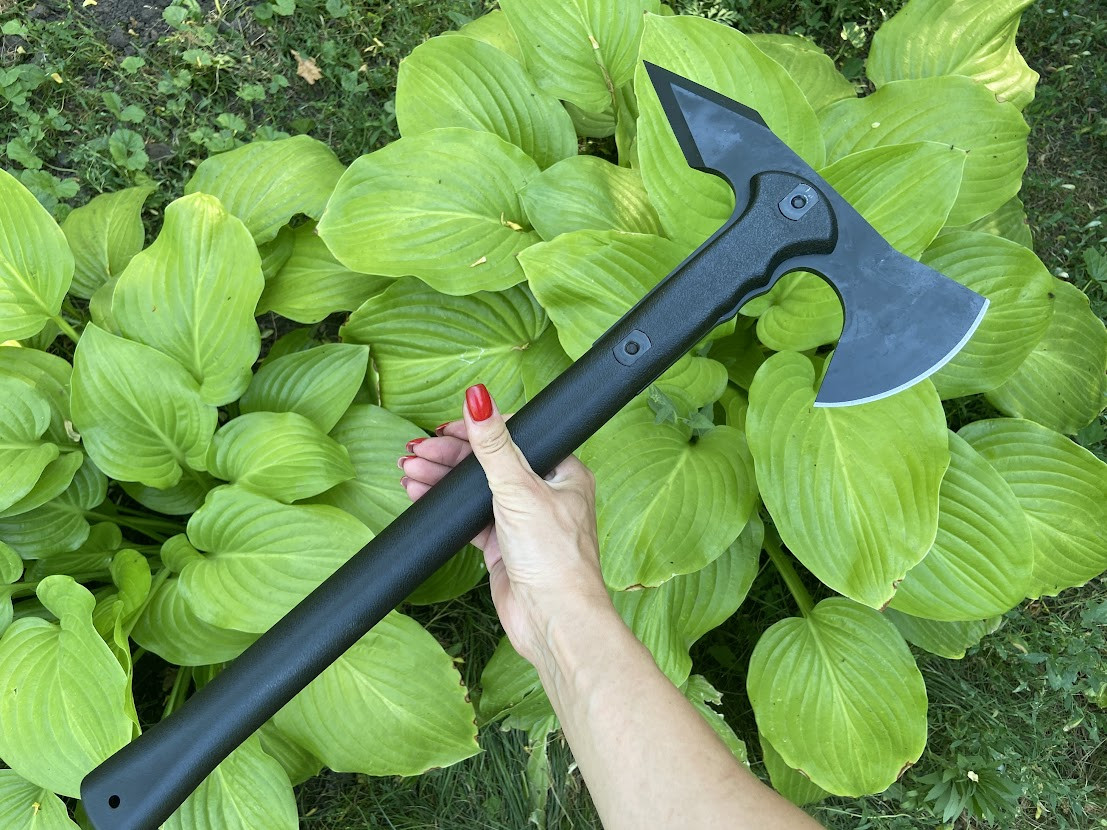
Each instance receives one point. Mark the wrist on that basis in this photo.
(566, 639)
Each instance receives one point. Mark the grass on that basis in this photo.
(100, 97)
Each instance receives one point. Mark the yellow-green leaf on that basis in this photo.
(192, 294)
(442, 206)
(1063, 490)
(838, 695)
(1061, 383)
(36, 265)
(1022, 304)
(139, 412)
(927, 38)
(951, 110)
(853, 491)
(983, 555)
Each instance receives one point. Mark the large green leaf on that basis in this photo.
(982, 557)
(1008, 220)
(24, 453)
(647, 475)
(693, 205)
(593, 124)
(1021, 293)
(1061, 383)
(247, 791)
(318, 383)
(954, 37)
(428, 347)
(312, 284)
(36, 265)
(492, 28)
(741, 353)
(27, 806)
(282, 455)
(60, 525)
(170, 628)
(511, 689)
(50, 375)
(182, 499)
(580, 51)
(62, 692)
(298, 763)
(589, 193)
(262, 557)
(670, 618)
(464, 82)
(949, 110)
(852, 490)
(442, 206)
(802, 311)
(946, 639)
(375, 438)
(94, 556)
(839, 697)
(275, 253)
(192, 294)
(140, 413)
(809, 66)
(56, 477)
(11, 569)
(1063, 489)
(116, 611)
(104, 235)
(587, 280)
(879, 181)
(793, 785)
(395, 684)
(266, 183)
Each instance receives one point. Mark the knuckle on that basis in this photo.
(497, 442)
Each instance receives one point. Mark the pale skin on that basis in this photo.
(650, 760)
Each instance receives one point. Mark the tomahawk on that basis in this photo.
(903, 321)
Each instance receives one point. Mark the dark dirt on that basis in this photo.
(129, 23)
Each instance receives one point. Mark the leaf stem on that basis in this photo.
(180, 689)
(67, 329)
(27, 589)
(152, 528)
(784, 566)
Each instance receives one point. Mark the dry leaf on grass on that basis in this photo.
(306, 68)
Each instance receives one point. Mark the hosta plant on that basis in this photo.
(164, 491)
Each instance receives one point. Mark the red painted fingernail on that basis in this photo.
(411, 444)
(478, 402)
(438, 429)
(403, 459)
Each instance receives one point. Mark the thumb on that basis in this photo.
(509, 474)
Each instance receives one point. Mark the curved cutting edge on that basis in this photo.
(899, 329)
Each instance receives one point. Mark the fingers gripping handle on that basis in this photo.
(140, 786)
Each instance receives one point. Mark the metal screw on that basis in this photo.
(799, 202)
(632, 347)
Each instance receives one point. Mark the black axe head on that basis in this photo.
(903, 320)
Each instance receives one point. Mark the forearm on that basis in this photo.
(648, 757)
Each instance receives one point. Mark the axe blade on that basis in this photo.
(903, 320)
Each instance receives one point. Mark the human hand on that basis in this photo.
(541, 549)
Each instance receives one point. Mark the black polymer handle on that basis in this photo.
(141, 785)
